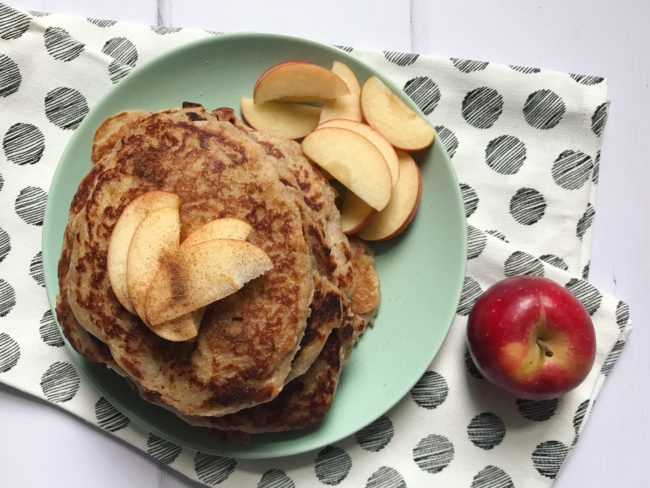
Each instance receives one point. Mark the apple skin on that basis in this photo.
(514, 320)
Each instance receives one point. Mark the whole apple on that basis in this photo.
(531, 337)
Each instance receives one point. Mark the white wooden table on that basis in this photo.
(43, 446)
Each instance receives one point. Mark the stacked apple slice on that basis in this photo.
(383, 185)
(168, 283)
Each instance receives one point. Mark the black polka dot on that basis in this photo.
(614, 354)
(471, 292)
(108, 417)
(60, 382)
(117, 71)
(585, 271)
(386, 477)
(162, 30)
(527, 206)
(579, 416)
(122, 50)
(548, 458)
(49, 330)
(5, 244)
(585, 221)
(9, 352)
(471, 367)
(571, 169)
(468, 65)
(486, 430)
(544, 109)
(584, 291)
(275, 478)
(30, 205)
(482, 107)
(23, 144)
(525, 69)
(375, 436)
(7, 298)
(430, 391)
(586, 79)
(162, 450)
(448, 139)
(424, 92)
(476, 242)
(505, 154)
(13, 23)
(61, 45)
(470, 199)
(521, 263)
(211, 469)
(65, 107)
(492, 477)
(554, 260)
(599, 118)
(103, 23)
(2, 181)
(622, 314)
(332, 465)
(433, 453)
(10, 76)
(36, 269)
(347, 49)
(537, 410)
(401, 59)
(594, 174)
(497, 234)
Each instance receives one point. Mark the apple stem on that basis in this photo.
(547, 351)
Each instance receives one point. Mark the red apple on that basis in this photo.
(531, 337)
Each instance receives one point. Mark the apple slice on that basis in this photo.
(225, 228)
(345, 106)
(353, 160)
(155, 239)
(373, 136)
(118, 246)
(399, 213)
(297, 81)
(355, 213)
(388, 113)
(201, 274)
(292, 120)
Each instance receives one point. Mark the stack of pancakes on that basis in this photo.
(266, 358)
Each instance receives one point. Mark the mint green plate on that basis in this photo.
(421, 271)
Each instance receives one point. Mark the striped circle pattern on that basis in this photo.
(599, 118)
(401, 59)
(49, 330)
(499, 235)
(161, 449)
(482, 107)
(424, 92)
(65, 107)
(470, 199)
(13, 23)
(36, 269)
(60, 382)
(476, 242)
(23, 144)
(492, 477)
(386, 477)
(554, 260)
(7, 298)
(505, 154)
(579, 416)
(61, 45)
(5, 244)
(544, 109)
(108, 417)
(212, 469)
(30, 205)
(470, 293)
(571, 169)
(10, 77)
(375, 436)
(468, 65)
(470, 366)
(486, 430)
(448, 139)
(121, 50)
(332, 465)
(537, 410)
(103, 23)
(433, 453)
(622, 314)
(548, 458)
(587, 79)
(585, 221)
(527, 206)
(522, 263)
(525, 69)
(275, 478)
(613, 356)
(587, 293)
(162, 30)
(430, 391)
(9, 352)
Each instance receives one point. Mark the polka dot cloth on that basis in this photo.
(525, 143)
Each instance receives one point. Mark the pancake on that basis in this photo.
(247, 341)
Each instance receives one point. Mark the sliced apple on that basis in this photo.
(155, 239)
(353, 160)
(118, 246)
(355, 213)
(201, 274)
(293, 120)
(399, 213)
(373, 136)
(226, 228)
(345, 106)
(388, 113)
(296, 81)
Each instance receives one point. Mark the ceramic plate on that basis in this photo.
(421, 271)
